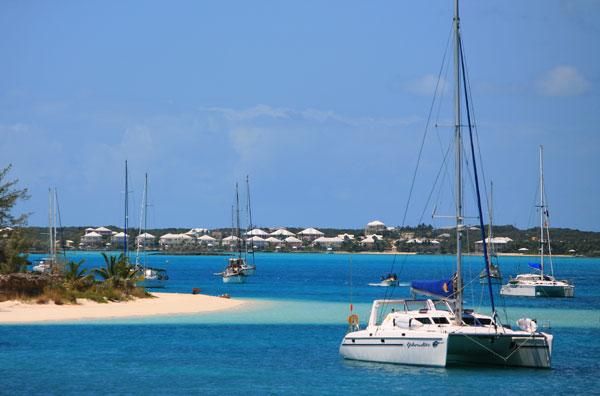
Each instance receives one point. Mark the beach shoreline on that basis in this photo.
(161, 304)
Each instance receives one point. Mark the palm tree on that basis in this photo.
(76, 276)
(118, 272)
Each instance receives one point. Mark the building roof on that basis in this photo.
(102, 229)
(292, 239)
(231, 238)
(92, 234)
(282, 232)
(273, 240)
(206, 238)
(375, 223)
(310, 231)
(256, 239)
(146, 235)
(120, 235)
(257, 232)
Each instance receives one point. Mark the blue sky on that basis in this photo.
(322, 103)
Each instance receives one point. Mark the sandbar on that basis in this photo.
(16, 312)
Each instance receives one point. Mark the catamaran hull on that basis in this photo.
(505, 350)
(414, 350)
(537, 291)
(451, 349)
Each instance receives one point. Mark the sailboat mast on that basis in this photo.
(542, 211)
(142, 229)
(250, 225)
(491, 216)
(458, 166)
(126, 214)
(237, 220)
(50, 228)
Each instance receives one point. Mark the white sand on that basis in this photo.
(163, 304)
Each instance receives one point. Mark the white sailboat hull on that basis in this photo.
(537, 290)
(234, 279)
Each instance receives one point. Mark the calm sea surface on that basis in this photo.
(288, 341)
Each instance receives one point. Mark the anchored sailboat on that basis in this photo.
(151, 277)
(234, 272)
(540, 284)
(47, 264)
(438, 331)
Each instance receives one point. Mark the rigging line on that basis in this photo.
(60, 227)
(414, 176)
(467, 80)
(434, 184)
(485, 253)
(435, 93)
(446, 66)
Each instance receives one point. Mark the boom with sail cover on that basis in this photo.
(439, 288)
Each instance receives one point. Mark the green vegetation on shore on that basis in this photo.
(66, 281)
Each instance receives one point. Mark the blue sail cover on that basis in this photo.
(537, 266)
(441, 288)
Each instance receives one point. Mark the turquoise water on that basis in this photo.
(287, 342)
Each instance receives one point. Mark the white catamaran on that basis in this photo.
(540, 284)
(440, 332)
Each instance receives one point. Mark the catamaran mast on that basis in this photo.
(542, 211)
(458, 165)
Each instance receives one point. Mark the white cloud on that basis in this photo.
(562, 81)
(425, 85)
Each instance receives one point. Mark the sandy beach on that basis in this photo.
(163, 304)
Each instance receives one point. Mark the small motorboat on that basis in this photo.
(44, 266)
(387, 280)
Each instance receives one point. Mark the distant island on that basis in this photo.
(374, 237)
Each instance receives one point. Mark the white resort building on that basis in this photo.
(207, 240)
(104, 231)
(375, 227)
(175, 241)
(332, 243)
(310, 234)
(257, 232)
(257, 242)
(282, 233)
(118, 239)
(293, 242)
(145, 239)
(498, 243)
(230, 241)
(91, 240)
